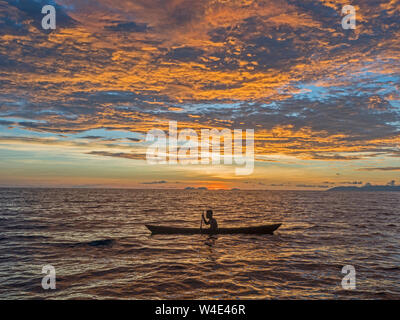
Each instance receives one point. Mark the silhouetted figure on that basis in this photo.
(211, 221)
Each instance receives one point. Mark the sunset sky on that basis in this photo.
(76, 102)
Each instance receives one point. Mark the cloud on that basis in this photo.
(309, 89)
(135, 139)
(154, 182)
(380, 169)
(128, 27)
(119, 155)
(92, 137)
(351, 182)
(6, 123)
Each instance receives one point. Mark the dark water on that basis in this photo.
(98, 244)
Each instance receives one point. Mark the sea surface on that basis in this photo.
(100, 248)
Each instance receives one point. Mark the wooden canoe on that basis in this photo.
(264, 229)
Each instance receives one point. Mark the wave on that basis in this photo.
(93, 243)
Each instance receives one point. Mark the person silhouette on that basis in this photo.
(211, 221)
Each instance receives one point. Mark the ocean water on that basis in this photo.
(100, 248)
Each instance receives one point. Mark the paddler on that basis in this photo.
(211, 221)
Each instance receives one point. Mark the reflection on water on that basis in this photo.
(211, 240)
(97, 241)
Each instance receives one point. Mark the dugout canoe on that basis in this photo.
(264, 229)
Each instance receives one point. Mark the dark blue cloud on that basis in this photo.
(128, 27)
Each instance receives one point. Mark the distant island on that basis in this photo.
(368, 187)
(193, 188)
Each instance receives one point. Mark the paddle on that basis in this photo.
(201, 222)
